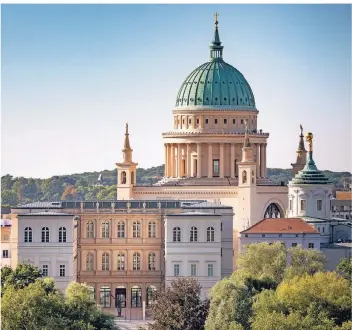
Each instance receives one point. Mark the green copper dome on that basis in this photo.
(216, 84)
(310, 174)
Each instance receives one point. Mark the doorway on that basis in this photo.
(120, 301)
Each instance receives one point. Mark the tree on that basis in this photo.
(179, 306)
(230, 306)
(345, 268)
(319, 301)
(22, 276)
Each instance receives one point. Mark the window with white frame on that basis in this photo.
(89, 261)
(105, 261)
(151, 261)
(193, 234)
(319, 204)
(5, 253)
(45, 235)
(136, 229)
(176, 270)
(193, 269)
(210, 234)
(90, 229)
(62, 235)
(120, 261)
(151, 229)
(290, 204)
(210, 270)
(105, 293)
(136, 261)
(62, 270)
(28, 235)
(176, 234)
(310, 245)
(45, 270)
(303, 204)
(120, 229)
(105, 230)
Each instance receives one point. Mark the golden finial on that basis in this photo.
(216, 19)
(309, 139)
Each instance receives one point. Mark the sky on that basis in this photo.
(73, 75)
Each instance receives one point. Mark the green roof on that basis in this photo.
(310, 174)
(216, 84)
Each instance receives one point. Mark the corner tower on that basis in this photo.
(310, 191)
(126, 171)
(301, 155)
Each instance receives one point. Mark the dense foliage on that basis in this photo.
(31, 302)
(85, 186)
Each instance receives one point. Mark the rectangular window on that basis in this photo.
(241, 121)
(221, 226)
(210, 270)
(216, 121)
(193, 270)
(45, 270)
(225, 121)
(233, 121)
(290, 204)
(319, 204)
(303, 204)
(176, 270)
(6, 237)
(323, 229)
(5, 253)
(263, 235)
(216, 167)
(311, 245)
(189, 121)
(206, 120)
(136, 297)
(197, 121)
(294, 244)
(105, 300)
(62, 271)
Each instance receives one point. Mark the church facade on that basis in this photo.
(215, 111)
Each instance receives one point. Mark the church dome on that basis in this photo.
(216, 84)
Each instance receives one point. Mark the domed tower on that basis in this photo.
(212, 106)
(310, 191)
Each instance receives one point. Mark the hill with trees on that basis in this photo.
(86, 186)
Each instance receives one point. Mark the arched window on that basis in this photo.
(123, 177)
(136, 229)
(105, 261)
(45, 235)
(244, 177)
(92, 292)
(62, 235)
(120, 261)
(105, 230)
(136, 261)
(151, 261)
(273, 211)
(193, 234)
(136, 296)
(28, 237)
(132, 177)
(90, 229)
(210, 234)
(105, 292)
(89, 262)
(151, 229)
(176, 234)
(120, 229)
(151, 290)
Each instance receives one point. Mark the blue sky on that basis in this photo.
(72, 75)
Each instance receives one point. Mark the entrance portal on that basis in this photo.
(120, 301)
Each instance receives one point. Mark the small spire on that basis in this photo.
(126, 145)
(301, 141)
(215, 47)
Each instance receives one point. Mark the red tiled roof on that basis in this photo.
(281, 225)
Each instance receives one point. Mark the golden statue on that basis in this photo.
(309, 139)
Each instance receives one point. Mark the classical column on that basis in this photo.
(261, 160)
(210, 160)
(179, 160)
(199, 160)
(166, 159)
(222, 160)
(265, 174)
(232, 160)
(172, 161)
(189, 160)
(258, 159)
